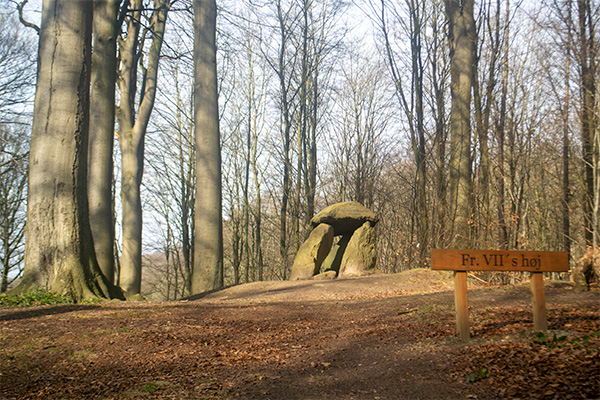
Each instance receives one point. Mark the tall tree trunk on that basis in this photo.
(311, 187)
(235, 245)
(248, 254)
(258, 254)
(13, 184)
(588, 70)
(502, 228)
(132, 133)
(439, 73)
(258, 234)
(566, 144)
(285, 196)
(413, 106)
(280, 69)
(462, 45)
(208, 237)
(483, 101)
(302, 170)
(6, 259)
(246, 187)
(59, 252)
(419, 147)
(187, 213)
(102, 122)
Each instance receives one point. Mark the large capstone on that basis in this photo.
(360, 255)
(311, 254)
(345, 217)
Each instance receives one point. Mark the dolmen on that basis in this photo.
(341, 243)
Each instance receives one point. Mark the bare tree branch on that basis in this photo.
(22, 18)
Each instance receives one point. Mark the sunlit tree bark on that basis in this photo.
(102, 122)
(59, 251)
(207, 272)
(588, 65)
(132, 132)
(462, 46)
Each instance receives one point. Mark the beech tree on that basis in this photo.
(102, 123)
(410, 97)
(486, 70)
(588, 63)
(59, 254)
(439, 73)
(207, 273)
(461, 30)
(133, 122)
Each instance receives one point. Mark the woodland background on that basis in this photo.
(328, 101)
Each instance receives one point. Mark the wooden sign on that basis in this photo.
(536, 262)
(499, 260)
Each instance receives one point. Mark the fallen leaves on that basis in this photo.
(232, 350)
(560, 365)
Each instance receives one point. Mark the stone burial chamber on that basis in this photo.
(341, 244)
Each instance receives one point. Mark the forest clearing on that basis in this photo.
(374, 337)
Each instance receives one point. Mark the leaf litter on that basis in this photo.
(329, 343)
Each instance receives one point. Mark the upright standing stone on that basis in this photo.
(311, 254)
(360, 255)
(333, 262)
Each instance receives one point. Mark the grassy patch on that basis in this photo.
(83, 355)
(39, 297)
(149, 387)
(152, 389)
(26, 349)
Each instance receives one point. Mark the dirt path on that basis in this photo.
(379, 337)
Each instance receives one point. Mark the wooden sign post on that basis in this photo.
(536, 262)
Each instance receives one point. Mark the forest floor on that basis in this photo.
(375, 337)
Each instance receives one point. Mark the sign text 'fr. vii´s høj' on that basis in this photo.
(499, 260)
